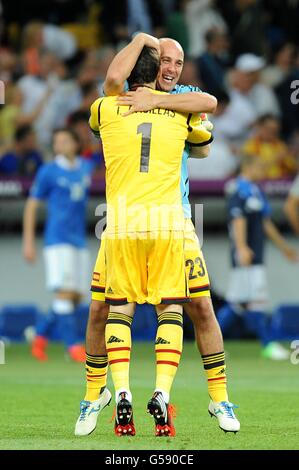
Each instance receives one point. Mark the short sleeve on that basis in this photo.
(198, 135)
(184, 89)
(95, 116)
(42, 184)
(236, 206)
(294, 191)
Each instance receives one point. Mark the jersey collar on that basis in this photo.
(64, 163)
(134, 87)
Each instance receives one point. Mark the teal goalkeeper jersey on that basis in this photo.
(184, 169)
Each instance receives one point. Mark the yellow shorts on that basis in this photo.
(196, 270)
(147, 268)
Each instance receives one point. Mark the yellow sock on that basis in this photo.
(214, 365)
(96, 376)
(169, 345)
(118, 344)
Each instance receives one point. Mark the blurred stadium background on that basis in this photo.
(53, 59)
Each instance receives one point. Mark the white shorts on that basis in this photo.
(248, 284)
(67, 268)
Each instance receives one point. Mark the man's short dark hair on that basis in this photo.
(146, 68)
(22, 132)
(267, 117)
(78, 116)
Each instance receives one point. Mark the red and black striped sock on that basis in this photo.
(214, 365)
(169, 345)
(118, 344)
(96, 376)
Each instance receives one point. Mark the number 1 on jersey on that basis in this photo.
(145, 130)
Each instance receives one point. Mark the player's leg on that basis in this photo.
(206, 327)
(125, 284)
(96, 350)
(95, 332)
(169, 345)
(47, 321)
(97, 396)
(167, 287)
(207, 332)
(248, 296)
(64, 308)
(118, 344)
(73, 270)
(257, 320)
(60, 263)
(227, 316)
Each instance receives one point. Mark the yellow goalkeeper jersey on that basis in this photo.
(143, 154)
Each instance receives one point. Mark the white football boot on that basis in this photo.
(224, 412)
(89, 412)
(276, 352)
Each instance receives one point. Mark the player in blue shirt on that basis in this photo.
(208, 335)
(249, 223)
(23, 159)
(63, 185)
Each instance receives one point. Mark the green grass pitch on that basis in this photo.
(40, 403)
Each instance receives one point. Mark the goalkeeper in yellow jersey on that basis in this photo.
(144, 238)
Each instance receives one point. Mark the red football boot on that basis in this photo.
(77, 353)
(163, 414)
(38, 348)
(124, 424)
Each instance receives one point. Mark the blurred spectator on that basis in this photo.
(292, 205)
(283, 18)
(247, 80)
(169, 6)
(68, 95)
(189, 74)
(129, 16)
(247, 21)
(89, 94)
(282, 65)
(176, 26)
(221, 162)
(236, 119)
(212, 63)
(201, 16)
(266, 143)
(10, 114)
(35, 87)
(289, 107)
(37, 92)
(91, 148)
(53, 11)
(8, 64)
(100, 59)
(32, 47)
(38, 37)
(61, 43)
(24, 159)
